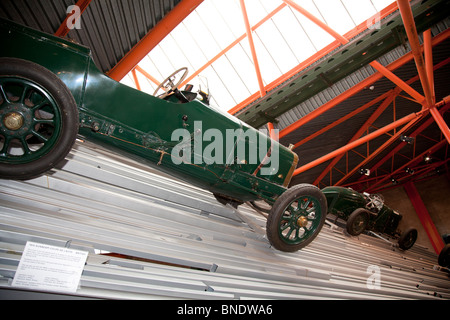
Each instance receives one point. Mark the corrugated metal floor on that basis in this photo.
(186, 245)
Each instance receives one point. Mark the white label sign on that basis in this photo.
(49, 268)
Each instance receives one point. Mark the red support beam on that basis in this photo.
(354, 144)
(399, 82)
(410, 163)
(427, 45)
(420, 171)
(402, 144)
(63, 29)
(422, 69)
(135, 79)
(397, 63)
(383, 147)
(411, 32)
(420, 174)
(356, 88)
(315, 57)
(387, 94)
(147, 75)
(318, 22)
(361, 131)
(445, 104)
(272, 133)
(441, 123)
(231, 45)
(248, 30)
(152, 38)
(344, 118)
(424, 217)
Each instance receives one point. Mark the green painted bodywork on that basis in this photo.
(343, 201)
(140, 125)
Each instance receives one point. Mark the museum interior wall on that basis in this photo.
(435, 194)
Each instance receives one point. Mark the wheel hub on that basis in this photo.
(302, 221)
(13, 121)
(16, 120)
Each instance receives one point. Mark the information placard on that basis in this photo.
(49, 268)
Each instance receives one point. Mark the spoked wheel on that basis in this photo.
(38, 119)
(357, 222)
(296, 218)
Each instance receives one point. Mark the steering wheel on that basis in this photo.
(169, 85)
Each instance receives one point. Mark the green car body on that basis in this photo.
(142, 125)
(365, 212)
(344, 201)
(158, 132)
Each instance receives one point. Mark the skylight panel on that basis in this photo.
(190, 45)
(294, 34)
(220, 96)
(318, 37)
(284, 41)
(276, 45)
(269, 5)
(205, 35)
(381, 4)
(174, 52)
(145, 84)
(335, 15)
(242, 62)
(255, 11)
(152, 68)
(161, 60)
(227, 20)
(231, 79)
(359, 10)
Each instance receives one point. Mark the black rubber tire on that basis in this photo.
(444, 256)
(357, 222)
(45, 79)
(407, 239)
(274, 220)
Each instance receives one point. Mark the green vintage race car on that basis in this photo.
(51, 92)
(367, 212)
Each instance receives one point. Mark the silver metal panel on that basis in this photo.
(187, 246)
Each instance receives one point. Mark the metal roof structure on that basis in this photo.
(110, 28)
(371, 98)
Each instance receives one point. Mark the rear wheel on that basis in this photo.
(38, 119)
(296, 218)
(444, 256)
(407, 239)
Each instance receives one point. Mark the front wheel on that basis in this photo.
(38, 119)
(407, 239)
(357, 222)
(296, 218)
